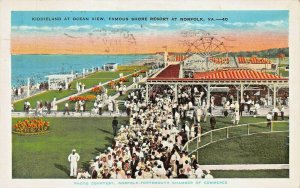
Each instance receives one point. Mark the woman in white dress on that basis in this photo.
(110, 107)
(81, 107)
(117, 107)
(193, 131)
(76, 106)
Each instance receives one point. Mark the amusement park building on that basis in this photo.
(240, 77)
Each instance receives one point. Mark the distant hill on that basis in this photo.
(270, 53)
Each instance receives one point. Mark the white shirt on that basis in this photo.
(269, 116)
(73, 158)
(275, 110)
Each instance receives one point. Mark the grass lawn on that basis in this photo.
(235, 131)
(255, 149)
(94, 79)
(45, 156)
(132, 67)
(89, 81)
(225, 122)
(46, 96)
(89, 104)
(250, 173)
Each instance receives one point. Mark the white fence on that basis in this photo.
(224, 133)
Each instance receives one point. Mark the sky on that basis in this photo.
(90, 32)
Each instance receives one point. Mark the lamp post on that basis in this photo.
(28, 87)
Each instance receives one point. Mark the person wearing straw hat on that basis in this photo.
(94, 172)
(194, 161)
(106, 174)
(73, 159)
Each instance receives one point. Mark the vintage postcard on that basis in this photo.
(111, 96)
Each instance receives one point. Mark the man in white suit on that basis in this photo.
(73, 159)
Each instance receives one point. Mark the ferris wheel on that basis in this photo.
(205, 46)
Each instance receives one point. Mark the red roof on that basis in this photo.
(226, 74)
(171, 71)
(253, 60)
(176, 57)
(219, 60)
(236, 74)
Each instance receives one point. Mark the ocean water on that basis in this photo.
(36, 67)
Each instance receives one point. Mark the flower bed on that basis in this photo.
(97, 89)
(82, 98)
(135, 75)
(31, 126)
(112, 84)
(123, 79)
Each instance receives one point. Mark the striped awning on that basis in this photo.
(236, 74)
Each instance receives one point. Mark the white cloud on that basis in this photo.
(159, 24)
(123, 26)
(79, 27)
(276, 23)
(31, 28)
(48, 28)
(194, 25)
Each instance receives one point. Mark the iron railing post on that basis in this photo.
(248, 129)
(227, 132)
(271, 128)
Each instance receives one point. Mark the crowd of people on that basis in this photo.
(191, 103)
(80, 87)
(151, 145)
(40, 108)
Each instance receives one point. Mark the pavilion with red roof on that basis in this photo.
(239, 77)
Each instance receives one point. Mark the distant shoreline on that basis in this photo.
(68, 62)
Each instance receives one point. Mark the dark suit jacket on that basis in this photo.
(106, 176)
(94, 174)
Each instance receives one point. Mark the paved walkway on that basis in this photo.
(84, 114)
(107, 114)
(246, 167)
(89, 89)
